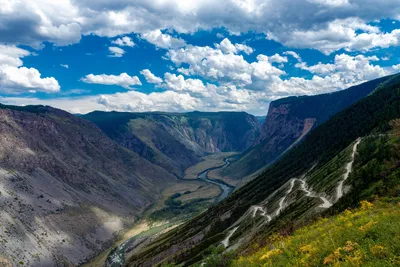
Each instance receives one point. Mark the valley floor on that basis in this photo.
(159, 218)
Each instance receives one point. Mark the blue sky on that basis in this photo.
(174, 56)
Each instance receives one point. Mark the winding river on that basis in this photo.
(226, 189)
(116, 258)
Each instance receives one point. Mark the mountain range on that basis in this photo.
(178, 141)
(71, 183)
(351, 157)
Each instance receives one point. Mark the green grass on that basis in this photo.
(367, 236)
(176, 209)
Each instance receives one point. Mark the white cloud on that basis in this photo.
(344, 72)
(195, 87)
(15, 79)
(116, 51)
(238, 83)
(162, 40)
(193, 94)
(338, 34)
(348, 66)
(278, 59)
(124, 41)
(123, 80)
(226, 68)
(64, 66)
(233, 70)
(33, 22)
(216, 99)
(150, 77)
(396, 68)
(327, 25)
(227, 47)
(293, 54)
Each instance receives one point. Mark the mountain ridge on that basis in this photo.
(176, 141)
(67, 189)
(288, 121)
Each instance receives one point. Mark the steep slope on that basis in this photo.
(367, 236)
(176, 141)
(288, 121)
(65, 187)
(302, 184)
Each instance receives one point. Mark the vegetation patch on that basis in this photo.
(175, 209)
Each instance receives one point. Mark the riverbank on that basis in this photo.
(199, 188)
(209, 161)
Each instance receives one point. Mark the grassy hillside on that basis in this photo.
(366, 236)
(376, 178)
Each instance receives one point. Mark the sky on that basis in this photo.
(180, 55)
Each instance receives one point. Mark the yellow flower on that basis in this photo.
(271, 253)
(337, 253)
(350, 246)
(355, 259)
(347, 212)
(365, 205)
(307, 249)
(379, 251)
(367, 226)
(330, 259)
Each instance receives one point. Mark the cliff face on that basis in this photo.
(288, 121)
(176, 141)
(65, 187)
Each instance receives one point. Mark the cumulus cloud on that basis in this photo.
(33, 22)
(162, 40)
(344, 72)
(136, 101)
(218, 98)
(229, 69)
(348, 66)
(124, 41)
(14, 78)
(225, 78)
(150, 77)
(324, 25)
(293, 54)
(64, 66)
(194, 87)
(123, 80)
(227, 47)
(339, 34)
(278, 59)
(226, 68)
(116, 51)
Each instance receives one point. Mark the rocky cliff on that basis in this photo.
(176, 141)
(288, 121)
(66, 189)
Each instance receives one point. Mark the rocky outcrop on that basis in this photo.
(66, 189)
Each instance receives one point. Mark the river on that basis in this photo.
(116, 258)
(225, 188)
